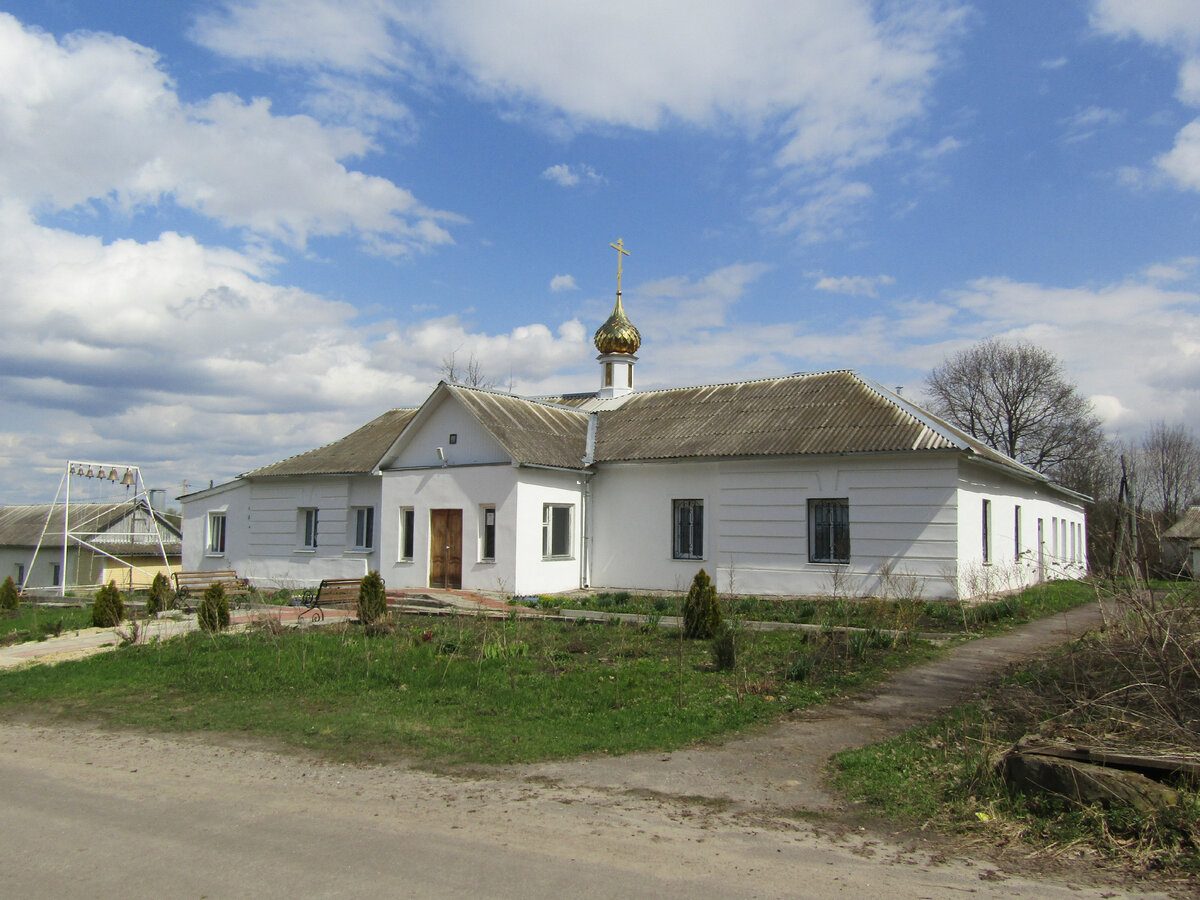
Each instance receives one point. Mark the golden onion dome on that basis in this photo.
(617, 334)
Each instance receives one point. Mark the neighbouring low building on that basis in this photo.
(1180, 545)
(51, 545)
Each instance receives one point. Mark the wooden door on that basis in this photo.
(445, 548)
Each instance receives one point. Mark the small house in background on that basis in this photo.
(100, 546)
(805, 484)
(1181, 545)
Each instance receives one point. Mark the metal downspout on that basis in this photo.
(585, 505)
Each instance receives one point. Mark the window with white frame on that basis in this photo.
(216, 533)
(20, 574)
(688, 517)
(408, 521)
(829, 530)
(487, 533)
(1017, 533)
(55, 574)
(308, 538)
(364, 527)
(556, 531)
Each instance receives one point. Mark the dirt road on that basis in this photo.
(85, 813)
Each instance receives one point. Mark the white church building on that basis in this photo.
(805, 484)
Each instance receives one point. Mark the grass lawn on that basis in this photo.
(36, 623)
(463, 690)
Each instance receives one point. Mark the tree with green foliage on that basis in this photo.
(701, 612)
(372, 599)
(108, 609)
(9, 598)
(213, 612)
(161, 596)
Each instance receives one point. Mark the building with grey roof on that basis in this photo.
(804, 484)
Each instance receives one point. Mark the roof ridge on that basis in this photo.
(763, 380)
(538, 400)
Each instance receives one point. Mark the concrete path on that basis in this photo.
(87, 641)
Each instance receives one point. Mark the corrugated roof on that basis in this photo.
(822, 413)
(357, 453)
(1187, 528)
(533, 432)
(21, 526)
(830, 412)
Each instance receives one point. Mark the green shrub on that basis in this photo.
(161, 597)
(801, 667)
(701, 612)
(108, 609)
(724, 650)
(213, 612)
(372, 599)
(9, 598)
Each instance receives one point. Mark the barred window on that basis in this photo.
(689, 529)
(829, 530)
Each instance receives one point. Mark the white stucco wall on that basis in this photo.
(15, 559)
(518, 496)
(473, 445)
(535, 574)
(468, 488)
(902, 521)
(264, 529)
(1016, 559)
(231, 498)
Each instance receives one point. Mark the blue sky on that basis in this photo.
(235, 231)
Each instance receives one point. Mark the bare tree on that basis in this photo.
(1015, 398)
(471, 373)
(1171, 466)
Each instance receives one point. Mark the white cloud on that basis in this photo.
(563, 283)
(823, 87)
(837, 79)
(1057, 63)
(815, 212)
(1182, 162)
(348, 36)
(569, 176)
(187, 359)
(1179, 270)
(1174, 24)
(95, 119)
(676, 306)
(853, 285)
(1087, 122)
(1168, 22)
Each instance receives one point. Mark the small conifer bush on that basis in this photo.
(724, 649)
(213, 612)
(372, 599)
(701, 612)
(108, 609)
(9, 598)
(161, 596)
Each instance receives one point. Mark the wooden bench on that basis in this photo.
(198, 582)
(331, 592)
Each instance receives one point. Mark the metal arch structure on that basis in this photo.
(82, 532)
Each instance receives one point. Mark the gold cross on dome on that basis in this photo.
(619, 246)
